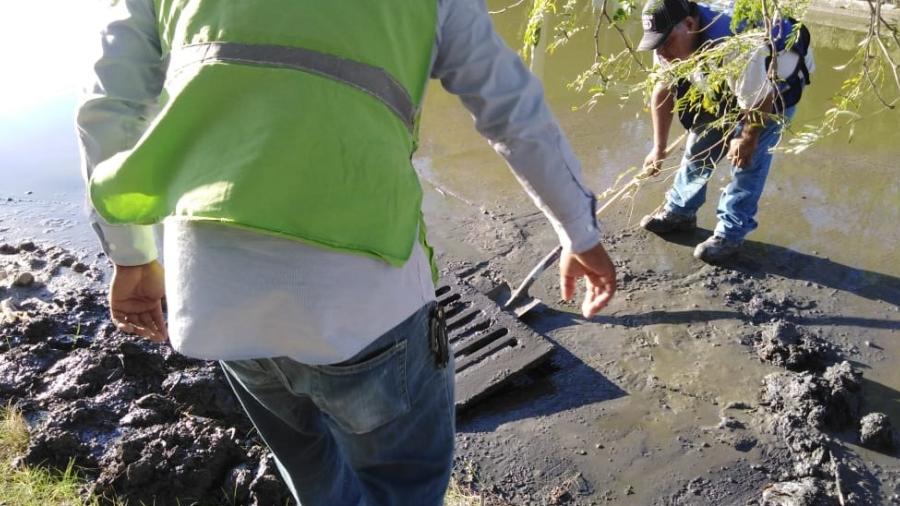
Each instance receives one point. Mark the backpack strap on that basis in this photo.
(791, 88)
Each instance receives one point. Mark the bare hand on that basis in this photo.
(654, 160)
(740, 151)
(600, 278)
(135, 300)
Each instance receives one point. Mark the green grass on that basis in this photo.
(28, 486)
(463, 489)
(457, 496)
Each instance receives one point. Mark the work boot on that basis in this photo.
(664, 222)
(716, 249)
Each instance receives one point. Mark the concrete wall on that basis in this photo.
(849, 14)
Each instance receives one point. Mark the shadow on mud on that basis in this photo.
(761, 258)
(667, 317)
(560, 319)
(551, 319)
(700, 316)
(547, 319)
(565, 383)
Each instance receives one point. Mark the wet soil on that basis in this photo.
(738, 384)
(141, 422)
(743, 383)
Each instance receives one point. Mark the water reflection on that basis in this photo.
(48, 49)
(38, 151)
(831, 196)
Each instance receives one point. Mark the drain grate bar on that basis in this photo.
(490, 346)
(489, 350)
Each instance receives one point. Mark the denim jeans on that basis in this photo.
(739, 201)
(377, 429)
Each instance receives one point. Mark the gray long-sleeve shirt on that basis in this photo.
(233, 293)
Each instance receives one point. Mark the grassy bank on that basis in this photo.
(25, 486)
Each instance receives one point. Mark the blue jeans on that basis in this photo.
(739, 201)
(377, 429)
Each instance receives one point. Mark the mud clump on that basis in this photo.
(203, 391)
(802, 405)
(21, 367)
(788, 346)
(39, 328)
(571, 489)
(800, 408)
(830, 401)
(875, 432)
(168, 463)
(845, 404)
(142, 423)
(803, 492)
(763, 308)
(151, 409)
(55, 447)
(258, 486)
(24, 279)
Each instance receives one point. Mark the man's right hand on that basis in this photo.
(600, 278)
(135, 300)
(653, 162)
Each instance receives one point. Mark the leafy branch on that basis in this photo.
(872, 72)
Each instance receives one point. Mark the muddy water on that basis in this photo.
(836, 194)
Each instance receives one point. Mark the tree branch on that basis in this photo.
(508, 7)
(874, 23)
(624, 38)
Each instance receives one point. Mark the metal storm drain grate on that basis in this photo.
(489, 345)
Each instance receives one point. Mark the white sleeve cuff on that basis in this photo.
(578, 235)
(127, 245)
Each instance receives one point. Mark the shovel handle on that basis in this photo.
(522, 290)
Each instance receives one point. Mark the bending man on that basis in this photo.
(675, 30)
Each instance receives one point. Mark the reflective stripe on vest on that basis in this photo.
(367, 78)
(289, 117)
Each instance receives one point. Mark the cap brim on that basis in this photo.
(652, 40)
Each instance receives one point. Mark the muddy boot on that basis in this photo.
(716, 249)
(664, 222)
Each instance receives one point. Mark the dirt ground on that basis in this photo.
(738, 384)
(143, 423)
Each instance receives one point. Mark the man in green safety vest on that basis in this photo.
(274, 140)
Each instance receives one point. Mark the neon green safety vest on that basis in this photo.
(293, 117)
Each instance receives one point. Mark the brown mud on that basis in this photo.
(743, 383)
(738, 384)
(141, 422)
